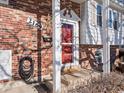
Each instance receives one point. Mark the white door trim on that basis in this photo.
(75, 42)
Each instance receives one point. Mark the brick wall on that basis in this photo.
(17, 36)
(23, 40)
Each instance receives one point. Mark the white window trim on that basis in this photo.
(113, 19)
(75, 43)
(6, 2)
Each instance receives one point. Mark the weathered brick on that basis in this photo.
(16, 35)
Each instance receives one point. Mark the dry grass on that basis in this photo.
(112, 83)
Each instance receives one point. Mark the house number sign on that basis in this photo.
(34, 23)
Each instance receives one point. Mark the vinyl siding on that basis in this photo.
(94, 32)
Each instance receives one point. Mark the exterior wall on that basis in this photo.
(93, 34)
(117, 36)
(24, 40)
(17, 36)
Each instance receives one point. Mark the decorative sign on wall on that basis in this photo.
(5, 64)
(4, 2)
(34, 23)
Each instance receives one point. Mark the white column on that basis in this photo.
(56, 46)
(84, 21)
(106, 40)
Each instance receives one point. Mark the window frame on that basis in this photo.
(67, 43)
(99, 15)
(110, 24)
(115, 19)
(75, 43)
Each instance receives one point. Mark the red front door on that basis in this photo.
(67, 41)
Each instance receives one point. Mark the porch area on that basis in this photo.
(49, 41)
(82, 81)
(70, 80)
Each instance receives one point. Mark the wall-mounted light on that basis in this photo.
(47, 38)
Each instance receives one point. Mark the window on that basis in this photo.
(98, 56)
(70, 43)
(121, 2)
(4, 2)
(99, 15)
(115, 20)
(110, 18)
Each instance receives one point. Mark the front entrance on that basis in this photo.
(70, 43)
(67, 43)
